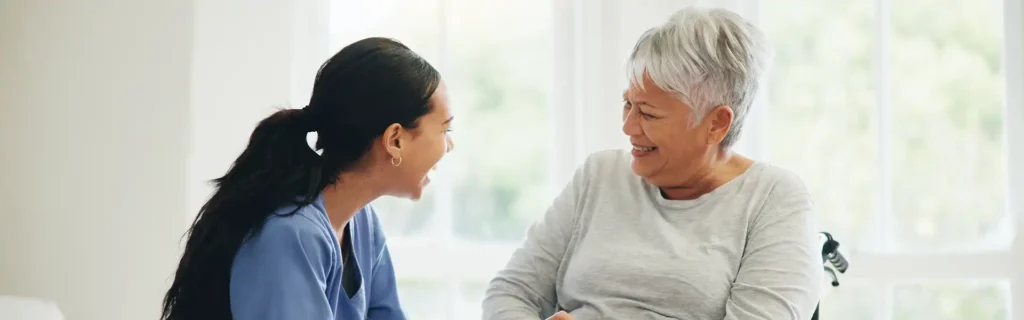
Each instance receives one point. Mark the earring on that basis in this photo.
(396, 163)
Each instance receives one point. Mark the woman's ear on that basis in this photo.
(392, 139)
(721, 121)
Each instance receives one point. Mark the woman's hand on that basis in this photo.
(561, 315)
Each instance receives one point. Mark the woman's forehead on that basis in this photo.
(649, 93)
(646, 88)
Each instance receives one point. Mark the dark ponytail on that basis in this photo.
(365, 87)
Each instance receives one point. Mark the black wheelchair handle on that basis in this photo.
(830, 252)
(838, 261)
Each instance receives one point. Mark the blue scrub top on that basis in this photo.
(294, 268)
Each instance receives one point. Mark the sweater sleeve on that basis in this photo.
(781, 270)
(525, 288)
(281, 273)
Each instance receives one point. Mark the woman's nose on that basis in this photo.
(630, 123)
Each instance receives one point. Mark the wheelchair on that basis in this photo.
(833, 262)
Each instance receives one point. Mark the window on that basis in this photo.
(897, 114)
(894, 113)
(908, 107)
(496, 58)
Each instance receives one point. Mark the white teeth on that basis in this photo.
(643, 148)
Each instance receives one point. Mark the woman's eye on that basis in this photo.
(628, 105)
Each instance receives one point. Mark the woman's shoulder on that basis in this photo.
(776, 181)
(285, 232)
(779, 191)
(607, 175)
(607, 163)
(289, 244)
(608, 158)
(306, 224)
(601, 169)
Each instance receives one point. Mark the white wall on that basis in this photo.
(113, 114)
(251, 57)
(94, 120)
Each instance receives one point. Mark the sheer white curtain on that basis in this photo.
(904, 117)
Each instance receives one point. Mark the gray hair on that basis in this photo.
(708, 57)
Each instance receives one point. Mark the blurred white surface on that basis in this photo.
(25, 308)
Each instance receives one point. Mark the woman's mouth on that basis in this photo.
(640, 151)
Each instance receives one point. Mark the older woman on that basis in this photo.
(679, 227)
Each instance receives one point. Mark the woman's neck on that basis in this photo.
(351, 193)
(722, 168)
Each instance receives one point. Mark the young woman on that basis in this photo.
(289, 233)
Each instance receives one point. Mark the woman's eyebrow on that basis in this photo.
(635, 100)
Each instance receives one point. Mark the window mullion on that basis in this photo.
(758, 138)
(579, 88)
(444, 209)
(884, 213)
(1013, 26)
(444, 218)
(565, 106)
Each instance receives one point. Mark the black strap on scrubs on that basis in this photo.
(350, 279)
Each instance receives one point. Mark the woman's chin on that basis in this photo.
(418, 192)
(412, 192)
